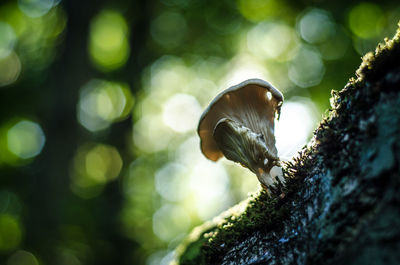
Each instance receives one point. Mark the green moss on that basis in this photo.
(261, 212)
(208, 243)
(193, 252)
(385, 58)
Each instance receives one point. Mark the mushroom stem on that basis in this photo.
(240, 144)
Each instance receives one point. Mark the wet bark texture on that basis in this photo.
(341, 204)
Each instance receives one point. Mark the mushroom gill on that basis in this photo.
(239, 124)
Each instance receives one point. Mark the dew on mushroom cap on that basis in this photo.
(239, 124)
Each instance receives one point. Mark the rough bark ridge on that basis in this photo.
(341, 202)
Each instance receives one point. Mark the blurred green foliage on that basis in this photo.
(99, 101)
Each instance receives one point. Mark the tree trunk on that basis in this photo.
(341, 203)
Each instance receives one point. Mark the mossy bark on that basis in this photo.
(341, 203)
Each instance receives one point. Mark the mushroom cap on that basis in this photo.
(247, 103)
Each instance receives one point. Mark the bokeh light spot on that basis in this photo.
(35, 8)
(7, 39)
(25, 139)
(297, 121)
(272, 40)
(93, 166)
(22, 257)
(37, 50)
(188, 151)
(244, 67)
(10, 232)
(170, 221)
(181, 112)
(109, 45)
(307, 68)
(102, 102)
(316, 26)
(10, 69)
(258, 10)
(171, 181)
(366, 20)
(150, 134)
(209, 184)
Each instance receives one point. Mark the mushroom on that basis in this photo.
(239, 124)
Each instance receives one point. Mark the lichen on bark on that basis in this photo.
(341, 203)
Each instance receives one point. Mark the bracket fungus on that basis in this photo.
(239, 124)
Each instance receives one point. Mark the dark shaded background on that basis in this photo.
(99, 100)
